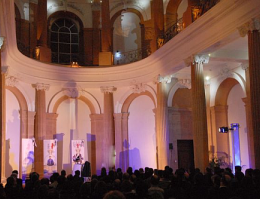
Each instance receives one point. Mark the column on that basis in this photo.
(162, 129)
(40, 126)
(109, 128)
(2, 115)
(43, 53)
(199, 115)
(121, 140)
(105, 56)
(51, 119)
(252, 29)
(97, 129)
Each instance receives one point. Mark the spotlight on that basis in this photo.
(223, 129)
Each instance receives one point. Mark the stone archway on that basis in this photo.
(221, 147)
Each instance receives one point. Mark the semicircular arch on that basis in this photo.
(132, 97)
(19, 96)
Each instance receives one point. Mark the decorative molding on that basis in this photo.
(225, 73)
(201, 59)
(2, 39)
(41, 86)
(5, 70)
(11, 81)
(188, 61)
(108, 89)
(73, 92)
(139, 88)
(185, 82)
(166, 79)
(253, 24)
(244, 66)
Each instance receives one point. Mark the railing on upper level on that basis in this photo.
(136, 55)
(131, 56)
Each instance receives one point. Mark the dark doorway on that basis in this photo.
(185, 154)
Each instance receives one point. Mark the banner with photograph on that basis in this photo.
(78, 152)
(50, 156)
(27, 156)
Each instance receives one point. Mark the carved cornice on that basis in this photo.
(73, 92)
(185, 82)
(11, 81)
(108, 89)
(1, 42)
(42, 86)
(201, 59)
(139, 88)
(253, 24)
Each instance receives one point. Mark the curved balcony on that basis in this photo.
(219, 23)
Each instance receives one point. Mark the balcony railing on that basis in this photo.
(131, 56)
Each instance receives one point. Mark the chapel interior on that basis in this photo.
(141, 82)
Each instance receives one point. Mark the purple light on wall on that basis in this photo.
(235, 145)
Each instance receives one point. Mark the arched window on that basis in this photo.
(64, 41)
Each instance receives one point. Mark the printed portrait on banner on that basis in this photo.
(50, 156)
(78, 149)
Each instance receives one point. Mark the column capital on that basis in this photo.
(108, 89)
(72, 92)
(1, 42)
(253, 24)
(161, 79)
(11, 81)
(201, 59)
(41, 86)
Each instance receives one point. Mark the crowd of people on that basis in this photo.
(139, 184)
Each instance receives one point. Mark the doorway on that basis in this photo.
(185, 154)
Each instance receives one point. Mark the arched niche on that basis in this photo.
(171, 12)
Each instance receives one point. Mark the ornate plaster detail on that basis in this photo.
(108, 89)
(149, 33)
(4, 70)
(1, 42)
(253, 24)
(201, 59)
(224, 74)
(42, 86)
(185, 82)
(245, 66)
(188, 61)
(166, 79)
(11, 81)
(139, 88)
(73, 92)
